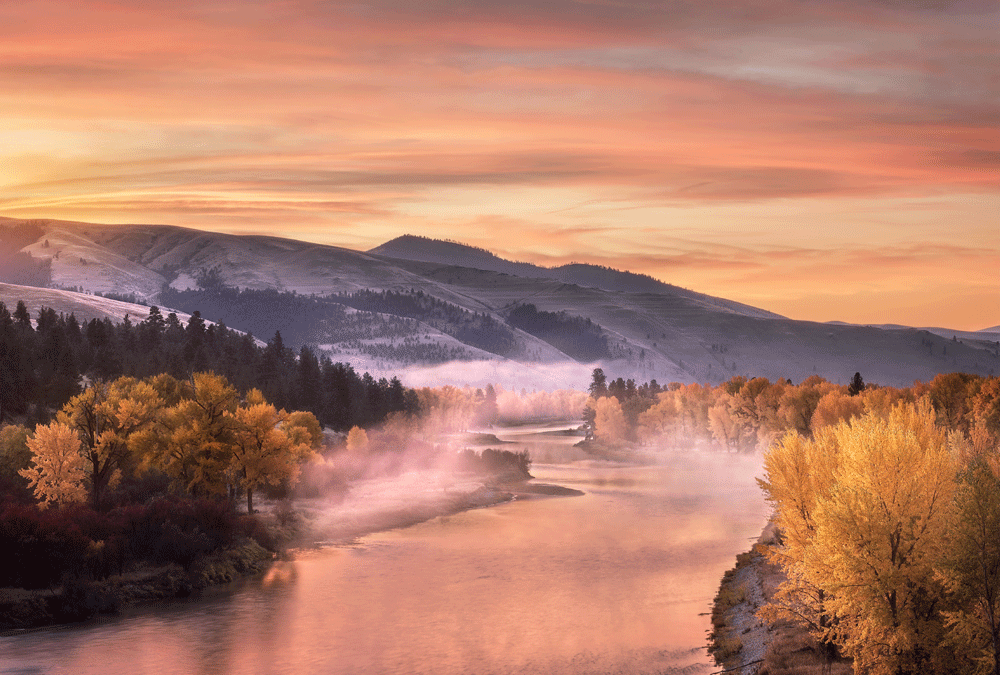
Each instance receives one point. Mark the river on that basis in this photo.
(615, 581)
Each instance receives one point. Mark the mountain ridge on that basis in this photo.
(651, 330)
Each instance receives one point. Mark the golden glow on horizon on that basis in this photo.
(827, 161)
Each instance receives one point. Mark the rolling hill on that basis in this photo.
(443, 312)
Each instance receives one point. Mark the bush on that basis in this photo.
(45, 546)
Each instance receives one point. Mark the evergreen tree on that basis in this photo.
(856, 386)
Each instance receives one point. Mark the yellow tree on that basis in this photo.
(267, 448)
(733, 430)
(952, 395)
(797, 405)
(798, 474)
(357, 441)
(193, 442)
(14, 452)
(58, 474)
(609, 420)
(878, 536)
(108, 418)
(834, 407)
(660, 421)
(986, 413)
(970, 568)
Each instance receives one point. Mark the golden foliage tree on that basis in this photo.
(266, 448)
(970, 569)
(878, 535)
(609, 420)
(193, 442)
(357, 441)
(800, 473)
(109, 418)
(834, 407)
(59, 472)
(14, 452)
(986, 414)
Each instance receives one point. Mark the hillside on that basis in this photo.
(434, 310)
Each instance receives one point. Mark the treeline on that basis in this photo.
(261, 312)
(200, 433)
(476, 329)
(42, 366)
(578, 338)
(747, 414)
(311, 319)
(887, 504)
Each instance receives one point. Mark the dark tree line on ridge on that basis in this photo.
(578, 338)
(41, 366)
(309, 319)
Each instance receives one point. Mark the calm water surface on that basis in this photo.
(615, 581)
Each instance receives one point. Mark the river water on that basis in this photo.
(615, 581)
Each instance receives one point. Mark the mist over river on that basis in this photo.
(615, 581)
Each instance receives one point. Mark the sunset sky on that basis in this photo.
(823, 159)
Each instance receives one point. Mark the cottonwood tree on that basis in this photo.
(879, 532)
(970, 569)
(268, 446)
(108, 418)
(986, 415)
(799, 473)
(357, 441)
(193, 443)
(14, 452)
(609, 420)
(59, 472)
(834, 407)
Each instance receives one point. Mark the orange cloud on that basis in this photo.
(629, 133)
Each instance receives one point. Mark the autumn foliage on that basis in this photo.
(200, 433)
(890, 525)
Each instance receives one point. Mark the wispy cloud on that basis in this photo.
(630, 120)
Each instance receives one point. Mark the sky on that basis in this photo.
(823, 159)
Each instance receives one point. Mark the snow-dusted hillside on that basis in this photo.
(84, 306)
(652, 329)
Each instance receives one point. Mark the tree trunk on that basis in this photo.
(95, 484)
(250, 501)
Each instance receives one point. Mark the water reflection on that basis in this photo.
(613, 581)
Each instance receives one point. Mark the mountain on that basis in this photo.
(454, 254)
(442, 312)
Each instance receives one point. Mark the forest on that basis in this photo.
(42, 365)
(126, 444)
(578, 338)
(129, 444)
(380, 314)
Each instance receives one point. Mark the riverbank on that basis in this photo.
(79, 599)
(304, 523)
(744, 644)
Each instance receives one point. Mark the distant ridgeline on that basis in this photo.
(385, 322)
(42, 366)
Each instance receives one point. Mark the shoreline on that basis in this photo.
(79, 600)
(744, 644)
